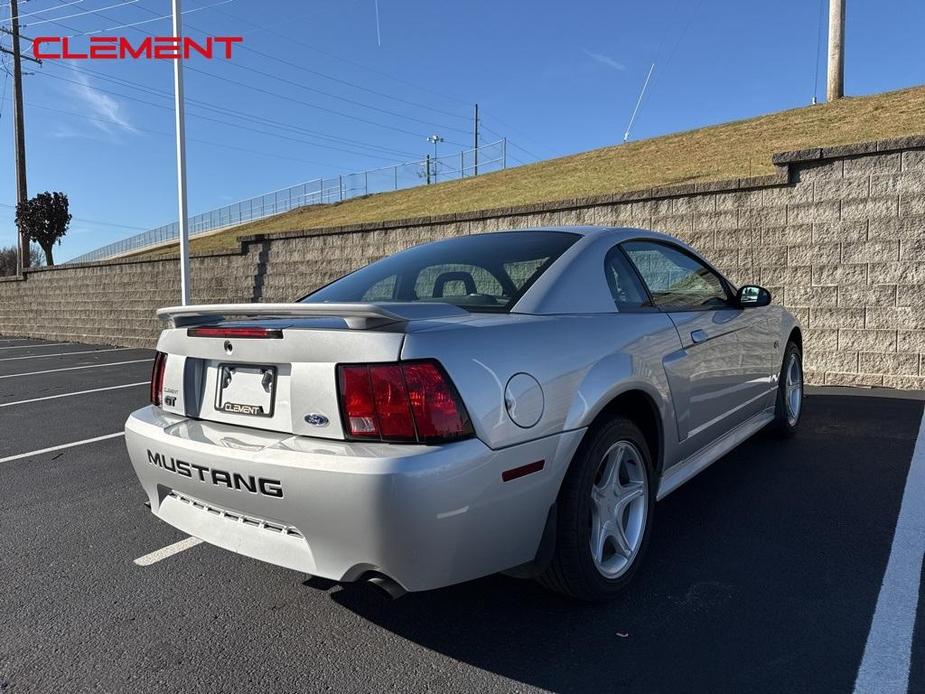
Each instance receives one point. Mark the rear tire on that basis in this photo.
(789, 405)
(604, 515)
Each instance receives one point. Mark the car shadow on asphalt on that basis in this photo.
(762, 575)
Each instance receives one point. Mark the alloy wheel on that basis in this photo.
(793, 385)
(619, 505)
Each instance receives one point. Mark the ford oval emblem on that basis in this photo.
(316, 420)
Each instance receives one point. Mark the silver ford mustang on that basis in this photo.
(514, 401)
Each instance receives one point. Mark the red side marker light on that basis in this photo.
(523, 470)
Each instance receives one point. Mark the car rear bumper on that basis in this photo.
(425, 516)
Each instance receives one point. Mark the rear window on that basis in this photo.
(483, 272)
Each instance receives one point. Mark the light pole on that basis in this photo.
(435, 139)
(181, 161)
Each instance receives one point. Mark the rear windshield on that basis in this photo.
(484, 272)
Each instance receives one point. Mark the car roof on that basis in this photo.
(618, 233)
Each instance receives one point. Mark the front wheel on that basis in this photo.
(789, 392)
(604, 517)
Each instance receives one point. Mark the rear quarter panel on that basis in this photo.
(581, 362)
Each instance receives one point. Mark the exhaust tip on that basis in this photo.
(389, 586)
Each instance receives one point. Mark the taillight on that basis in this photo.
(157, 378)
(241, 333)
(390, 397)
(434, 401)
(411, 401)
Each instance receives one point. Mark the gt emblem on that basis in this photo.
(316, 420)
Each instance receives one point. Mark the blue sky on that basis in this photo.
(553, 77)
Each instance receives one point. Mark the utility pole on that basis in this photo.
(434, 139)
(475, 141)
(836, 83)
(22, 194)
(181, 161)
(427, 169)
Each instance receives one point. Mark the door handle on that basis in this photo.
(698, 336)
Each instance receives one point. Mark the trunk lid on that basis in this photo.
(281, 376)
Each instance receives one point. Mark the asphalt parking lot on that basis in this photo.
(764, 573)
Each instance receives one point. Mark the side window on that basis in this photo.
(627, 291)
(383, 290)
(676, 280)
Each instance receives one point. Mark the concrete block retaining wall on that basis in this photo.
(837, 235)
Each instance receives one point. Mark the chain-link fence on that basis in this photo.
(484, 159)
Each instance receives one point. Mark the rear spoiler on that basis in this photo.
(357, 316)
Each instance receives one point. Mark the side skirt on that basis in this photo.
(678, 474)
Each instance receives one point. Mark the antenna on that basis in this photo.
(629, 126)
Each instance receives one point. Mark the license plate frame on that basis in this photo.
(230, 402)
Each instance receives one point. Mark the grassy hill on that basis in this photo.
(738, 149)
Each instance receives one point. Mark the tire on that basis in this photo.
(789, 406)
(611, 478)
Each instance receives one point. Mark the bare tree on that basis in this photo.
(8, 259)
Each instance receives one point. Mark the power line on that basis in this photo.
(88, 221)
(322, 74)
(513, 144)
(359, 119)
(79, 14)
(191, 139)
(248, 129)
(392, 151)
(227, 112)
(299, 85)
(310, 71)
(657, 56)
(346, 60)
(671, 54)
(276, 94)
(516, 131)
(687, 25)
(47, 9)
(132, 24)
(260, 120)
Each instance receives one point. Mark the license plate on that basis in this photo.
(246, 389)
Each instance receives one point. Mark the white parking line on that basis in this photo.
(64, 354)
(28, 346)
(75, 368)
(167, 551)
(63, 446)
(888, 652)
(76, 392)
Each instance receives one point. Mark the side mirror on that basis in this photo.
(753, 296)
